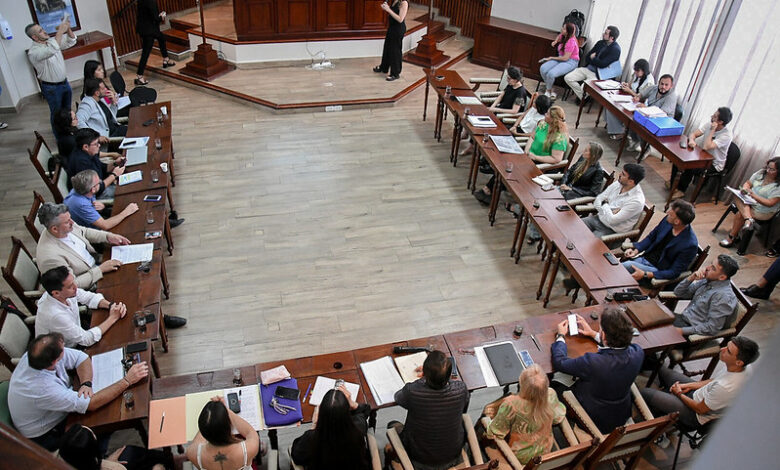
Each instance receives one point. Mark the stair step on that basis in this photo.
(437, 30)
(177, 36)
(176, 48)
(181, 25)
(442, 35)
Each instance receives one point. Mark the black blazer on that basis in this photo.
(148, 20)
(589, 183)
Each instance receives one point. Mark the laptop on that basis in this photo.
(136, 156)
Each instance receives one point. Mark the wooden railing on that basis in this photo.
(125, 37)
(20, 452)
(463, 13)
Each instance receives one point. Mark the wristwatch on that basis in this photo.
(86, 384)
(558, 335)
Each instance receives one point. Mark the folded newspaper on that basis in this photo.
(506, 144)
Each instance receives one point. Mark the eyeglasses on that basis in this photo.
(95, 144)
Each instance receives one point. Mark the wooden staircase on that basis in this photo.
(177, 40)
(426, 54)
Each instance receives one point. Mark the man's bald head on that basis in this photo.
(45, 350)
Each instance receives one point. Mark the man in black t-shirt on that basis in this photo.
(86, 156)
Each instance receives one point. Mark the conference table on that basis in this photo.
(683, 158)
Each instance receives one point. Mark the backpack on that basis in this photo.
(578, 19)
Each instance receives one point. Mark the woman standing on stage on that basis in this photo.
(147, 26)
(391, 54)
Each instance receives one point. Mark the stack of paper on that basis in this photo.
(383, 380)
(407, 365)
(107, 369)
(608, 85)
(131, 142)
(630, 106)
(251, 411)
(323, 384)
(469, 100)
(506, 144)
(132, 253)
(481, 121)
(651, 111)
(621, 98)
(132, 177)
(542, 180)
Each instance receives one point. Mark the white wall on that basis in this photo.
(16, 73)
(545, 14)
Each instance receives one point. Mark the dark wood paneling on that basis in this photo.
(333, 15)
(369, 15)
(255, 16)
(464, 13)
(497, 41)
(296, 16)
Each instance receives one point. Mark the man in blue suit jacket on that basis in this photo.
(605, 377)
(601, 63)
(669, 249)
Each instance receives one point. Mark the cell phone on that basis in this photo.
(562, 208)
(148, 123)
(287, 393)
(152, 198)
(548, 187)
(233, 402)
(135, 347)
(150, 318)
(525, 358)
(454, 374)
(121, 162)
(611, 258)
(573, 330)
(339, 383)
(152, 235)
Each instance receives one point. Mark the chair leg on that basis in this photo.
(730, 209)
(677, 452)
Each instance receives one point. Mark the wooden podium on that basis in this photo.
(426, 54)
(205, 63)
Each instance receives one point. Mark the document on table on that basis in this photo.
(132, 253)
(608, 85)
(484, 364)
(251, 411)
(408, 364)
(132, 177)
(651, 111)
(383, 379)
(123, 102)
(481, 121)
(194, 403)
(469, 100)
(630, 107)
(506, 144)
(130, 142)
(136, 156)
(107, 369)
(542, 180)
(746, 198)
(323, 384)
(615, 98)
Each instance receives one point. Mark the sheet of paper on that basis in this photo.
(172, 430)
(129, 142)
(383, 379)
(484, 364)
(323, 384)
(652, 111)
(506, 144)
(132, 177)
(743, 197)
(608, 85)
(251, 410)
(542, 180)
(194, 405)
(107, 369)
(132, 253)
(469, 100)
(621, 98)
(631, 107)
(481, 121)
(123, 102)
(407, 365)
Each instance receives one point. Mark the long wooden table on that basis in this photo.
(668, 146)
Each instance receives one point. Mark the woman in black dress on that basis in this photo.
(147, 25)
(391, 54)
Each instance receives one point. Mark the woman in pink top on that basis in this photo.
(567, 59)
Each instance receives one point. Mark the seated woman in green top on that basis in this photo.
(551, 139)
(525, 420)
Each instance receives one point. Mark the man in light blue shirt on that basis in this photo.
(84, 207)
(40, 394)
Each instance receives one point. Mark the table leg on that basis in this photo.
(164, 279)
(598, 116)
(163, 331)
(273, 438)
(425, 105)
(472, 177)
(455, 140)
(155, 365)
(518, 226)
(555, 262)
(642, 152)
(438, 122)
(170, 198)
(672, 189)
(622, 146)
(699, 185)
(495, 196)
(168, 236)
(579, 114)
(526, 217)
(139, 426)
(545, 270)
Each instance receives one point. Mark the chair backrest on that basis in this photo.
(42, 159)
(60, 188)
(644, 219)
(31, 221)
(574, 145)
(14, 338)
(678, 112)
(745, 310)
(5, 412)
(732, 157)
(569, 457)
(22, 274)
(629, 442)
(118, 82)
(142, 95)
(698, 261)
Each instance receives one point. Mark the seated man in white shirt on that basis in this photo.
(40, 394)
(619, 206)
(701, 402)
(58, 309)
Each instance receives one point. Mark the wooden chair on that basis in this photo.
(23, 276)
(373, 451)
(47, 164)
(732, 157)
(636, 231)
(702, 346)
(31, 220)
(657, 285)
(569, 457)
(15, 335)
(625, 443)
(471, 439)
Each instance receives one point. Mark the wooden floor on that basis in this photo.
(317, 232)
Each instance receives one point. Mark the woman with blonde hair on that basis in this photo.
(526, 419)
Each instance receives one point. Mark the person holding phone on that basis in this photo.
(215, 447)
(392, 54)
(147, 26)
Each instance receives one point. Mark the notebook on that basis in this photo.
(136, 156)
(505, 363)
(648, 313)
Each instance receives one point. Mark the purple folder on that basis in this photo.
(274, 418)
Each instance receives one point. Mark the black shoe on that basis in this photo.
(577, 101)
(570, 284)
(378, 69)
(486, 169)
(482, 197)
(168, 64)
(173, 215)
(174, 322)
(757, 292)
(175, 222)
(392, 77)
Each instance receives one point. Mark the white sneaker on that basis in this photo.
(3, 125)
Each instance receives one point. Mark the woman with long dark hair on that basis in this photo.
(338, 435)
(147, 25)
(80, 448)
(643, 79)
(215, 447)
(567, 59)
(392, 54)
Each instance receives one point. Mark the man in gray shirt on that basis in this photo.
(433, 435)
(713, 301)
(662, 96)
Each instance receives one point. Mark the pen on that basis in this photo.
(533, 338)
(306, 395)
(162, 421)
